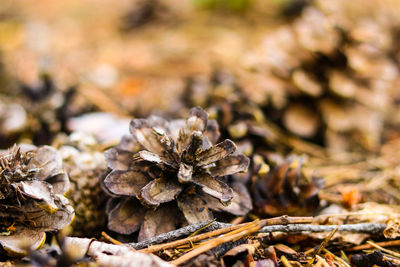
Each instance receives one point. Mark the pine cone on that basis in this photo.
(155, 12)
(284, 189)
(32, 184)
(240, 119)
(326, 78)
(48, 108)
(85, 164)
(166, 169)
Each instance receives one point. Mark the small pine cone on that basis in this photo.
(145, 12)
(222, 98)
(85, 164)
(48, 108)
(284, 189)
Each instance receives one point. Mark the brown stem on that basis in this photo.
(273, 221)
(390, 243)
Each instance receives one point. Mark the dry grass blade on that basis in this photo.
(388, 251)
(234, 235)
(201, 229)
(394, 261)
(285, 262)
(111, 240)
(390, 243)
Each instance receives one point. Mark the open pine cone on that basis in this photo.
(169, 168)
(32, 184)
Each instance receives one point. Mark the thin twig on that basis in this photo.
(322, 245)
(356, 214)
(344, 256)
(176, 234)
(272, 221)
(370, 228)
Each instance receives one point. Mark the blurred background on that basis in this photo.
(323, 72)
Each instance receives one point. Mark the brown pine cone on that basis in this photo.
(170, 173)
(326, 76)
(32, 185)
(284, 189)
(239, 118)
(85, 163)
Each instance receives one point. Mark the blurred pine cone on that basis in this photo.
(284, 189)
(326, 76)
(142, 13)
(155, 12)
(239, 118)
(13, 121)
(85, 163)
(46, 107)
(32, 184)
(169, 173)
